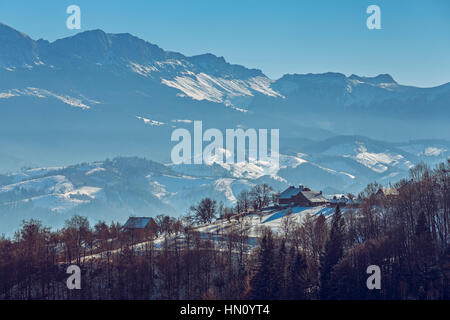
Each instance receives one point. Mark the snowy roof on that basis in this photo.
(314, 196)
(137, 222)
(290, 192)
(345, 200)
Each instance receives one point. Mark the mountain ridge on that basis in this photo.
(107, 37)
(97, 95)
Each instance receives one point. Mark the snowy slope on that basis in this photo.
(116, 94)
(97, 95)
(342, 164)
(273, 219)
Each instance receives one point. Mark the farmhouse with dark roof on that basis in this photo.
(141, 227)
(302, 197)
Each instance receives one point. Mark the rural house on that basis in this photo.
(141, 227)
(302, 197)
(345, 201)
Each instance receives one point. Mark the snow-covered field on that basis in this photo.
(251, 225)
(272, 219)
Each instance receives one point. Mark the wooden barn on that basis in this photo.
(141, 227)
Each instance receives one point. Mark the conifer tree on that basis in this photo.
(297, 278)
(264, 285)
(334, 249)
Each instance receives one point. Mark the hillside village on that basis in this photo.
(361, 177)
(293, 207)
(294, 203)
(296, 244)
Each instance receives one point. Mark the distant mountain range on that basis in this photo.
(112, 190)
(97, 95)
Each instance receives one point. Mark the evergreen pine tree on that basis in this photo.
(265, 284)
(334, 249)
(297, 276)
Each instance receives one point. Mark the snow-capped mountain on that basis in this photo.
(203, 77)
(118, 86)
(97, 95)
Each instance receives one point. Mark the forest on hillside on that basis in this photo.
(406, 235)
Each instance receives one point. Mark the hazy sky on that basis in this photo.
(277, 37)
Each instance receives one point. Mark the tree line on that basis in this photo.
(406, 234)
(253, 200)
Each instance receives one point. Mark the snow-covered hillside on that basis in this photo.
(115, 189)
(278, 221)
(275, 219)
(67, 103)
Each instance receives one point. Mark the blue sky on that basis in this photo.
(277, 37)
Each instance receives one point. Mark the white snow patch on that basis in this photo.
(205, 87)
(224, 186)
(432, 151)
(150, 121)
(143, 70)
(376, 161)
(291, 161)
(6, 95)
(42, 93)
(52, 184)
(158, 189)
(95, 170)
(182, 121)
